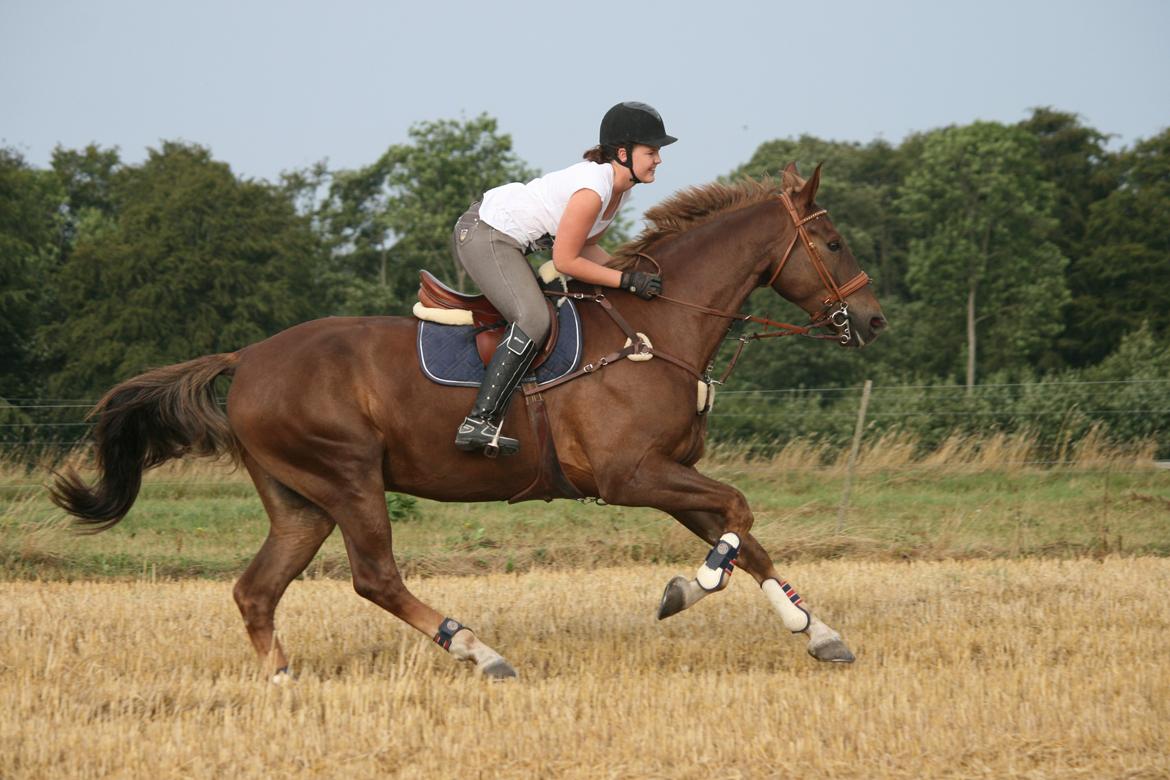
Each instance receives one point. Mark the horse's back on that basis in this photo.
(312, 376)
(341, 387)
(340, 336)
(338, 361)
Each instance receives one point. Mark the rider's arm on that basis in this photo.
(591, 251)
(571, 255)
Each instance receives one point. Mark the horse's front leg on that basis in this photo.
(718, 514)
(824, 643)
(672, 487)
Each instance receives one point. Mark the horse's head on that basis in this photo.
(816, 271)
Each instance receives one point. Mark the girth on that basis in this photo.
(484, 315)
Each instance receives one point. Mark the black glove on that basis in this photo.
(642, 284)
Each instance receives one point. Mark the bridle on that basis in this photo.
(839, 318)
(835, 312)
(836, 309)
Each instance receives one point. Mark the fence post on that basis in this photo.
(853, 455)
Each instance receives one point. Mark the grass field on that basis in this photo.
(971, 499)
(1027, 668)
(1009, 619)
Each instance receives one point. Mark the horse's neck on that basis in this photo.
(718, 264)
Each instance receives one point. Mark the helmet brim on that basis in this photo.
(658, 143)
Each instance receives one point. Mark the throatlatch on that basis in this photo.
(720, 563)
(447, 631)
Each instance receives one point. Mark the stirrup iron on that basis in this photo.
(478, 434)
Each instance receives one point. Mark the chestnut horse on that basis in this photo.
(328, 415)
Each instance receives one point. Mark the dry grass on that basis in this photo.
(959, 453)
(890, 451)
(972, 498)
(965, 669)
(189, 471)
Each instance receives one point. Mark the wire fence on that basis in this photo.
(1054, 413)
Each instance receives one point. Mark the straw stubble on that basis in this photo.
(964, 669)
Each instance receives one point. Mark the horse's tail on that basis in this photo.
(145, 421)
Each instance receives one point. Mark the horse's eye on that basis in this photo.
(834, 245)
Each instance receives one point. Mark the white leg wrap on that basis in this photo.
(712, 577)
(788, 604)
(465, 646)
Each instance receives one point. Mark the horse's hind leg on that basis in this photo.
(297, 527)
(365, 527)
(824, 643)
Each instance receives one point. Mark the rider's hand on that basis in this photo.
(642, 284)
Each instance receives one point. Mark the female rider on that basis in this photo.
(571, 208)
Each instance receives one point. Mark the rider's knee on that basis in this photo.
(535, 325)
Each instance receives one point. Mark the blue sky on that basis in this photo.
(273, 86)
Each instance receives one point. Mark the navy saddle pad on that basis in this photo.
(448, 355)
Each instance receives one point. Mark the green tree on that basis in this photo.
(394, 217)
(31, 242)
(1075, 160)
(1120, 282)
(87, 176)
(983, 261)
(1073, 157)
(195, 261)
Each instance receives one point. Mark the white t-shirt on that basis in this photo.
(528, 212)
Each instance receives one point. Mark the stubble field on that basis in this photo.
(979, 668)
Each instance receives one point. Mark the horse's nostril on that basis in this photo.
(877, 323)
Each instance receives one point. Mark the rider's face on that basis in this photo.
(646, 160)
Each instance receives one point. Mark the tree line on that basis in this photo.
(1000, 252)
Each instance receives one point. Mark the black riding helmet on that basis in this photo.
(632, 123)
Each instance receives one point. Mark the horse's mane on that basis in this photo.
(691, 207)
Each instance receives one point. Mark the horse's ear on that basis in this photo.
(809, 191)
(790, 180)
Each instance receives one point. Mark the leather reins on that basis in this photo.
(835, 312)
(836, 293)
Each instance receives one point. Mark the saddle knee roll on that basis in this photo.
(720, 563)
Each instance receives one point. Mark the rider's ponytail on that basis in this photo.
(600, 154)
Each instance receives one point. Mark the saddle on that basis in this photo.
(459, 308)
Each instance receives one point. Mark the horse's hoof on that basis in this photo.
(674, 598)
(498, 669)
(834, 650)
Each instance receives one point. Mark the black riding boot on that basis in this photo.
(481, 428)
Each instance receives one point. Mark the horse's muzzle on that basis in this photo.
(859, 331)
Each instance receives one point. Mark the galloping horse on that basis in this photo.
(328, 415)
